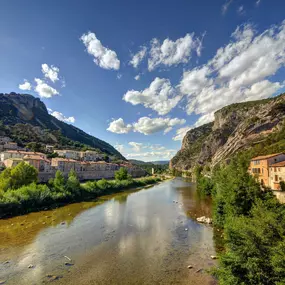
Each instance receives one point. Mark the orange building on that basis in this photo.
(260, 166)
(276, 175)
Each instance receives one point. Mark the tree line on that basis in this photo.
(253, 223)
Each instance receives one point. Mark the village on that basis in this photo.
(269, 170)
(88, 165)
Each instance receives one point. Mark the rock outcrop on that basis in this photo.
(236, 127)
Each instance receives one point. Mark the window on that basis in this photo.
(276, 177)
(279, 169)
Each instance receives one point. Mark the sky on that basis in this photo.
(140, 74)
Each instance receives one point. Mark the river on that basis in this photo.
(146, 236)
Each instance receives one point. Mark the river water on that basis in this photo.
(135, 237)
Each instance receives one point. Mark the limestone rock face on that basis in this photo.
(236, 127)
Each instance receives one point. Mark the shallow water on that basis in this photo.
(136, 237)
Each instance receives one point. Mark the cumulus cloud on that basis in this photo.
(44, 90)
(26, 85)
(50, 72)
(136, 146)
(147, 126)
(104, 57)
(119, 127)
(160, 96)
(138, 57)
(257, 2)
(61, 117)
(171, 52)
(180, 133)
(137, 77)
(153, 155)
(239, 71)
(119, 147)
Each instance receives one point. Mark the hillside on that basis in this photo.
(256, 126)
(26, 119)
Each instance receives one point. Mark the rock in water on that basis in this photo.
(204, 220)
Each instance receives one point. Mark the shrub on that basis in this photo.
(121, 174)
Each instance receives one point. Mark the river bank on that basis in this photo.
(134, 237)
(35, 197)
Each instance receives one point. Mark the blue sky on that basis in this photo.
(139, 74)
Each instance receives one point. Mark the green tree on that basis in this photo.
(5, 180)
(23, 174)
(72, 183)
(59, 181)
(121, 174)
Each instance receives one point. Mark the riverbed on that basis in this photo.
(146, 236)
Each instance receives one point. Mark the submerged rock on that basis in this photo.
(204, 220)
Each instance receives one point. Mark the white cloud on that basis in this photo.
(119, 76)
(119, 147)
(136, 146)
(238, 72)
(153, 155)
(50, 72)
(138, 57)
(147, 126)
(104, 57)
(119, 127)
(195, 80)
(180, 133)
(61, 117)
(241, 10)
(226, 6)
(137, 77)
(44, 90)
(257, 2)
(160, 96)
(26, 85)
(171, 52)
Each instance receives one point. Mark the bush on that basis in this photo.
(121, 174)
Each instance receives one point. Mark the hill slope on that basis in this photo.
(242, 126)
(26, 119)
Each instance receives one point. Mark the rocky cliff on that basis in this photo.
(26, 119)
(236, 127)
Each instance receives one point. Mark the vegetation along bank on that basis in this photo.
(20, 193)
(252, 222)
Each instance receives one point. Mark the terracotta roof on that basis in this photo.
(64, 159)
(266, 156)
(34, 157)
(25, 152)
(278, 164)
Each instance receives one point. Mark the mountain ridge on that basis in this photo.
(30, 113)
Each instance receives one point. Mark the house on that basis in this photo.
(49, 148)
(65, 164)
(68, 153)
(12, 162)
(10, 145)
(260, 165)
(18, 154)
(40, 163)
(276, 175)
(91, 155)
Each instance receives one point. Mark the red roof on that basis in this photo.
(278, 164)
(266, 156)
